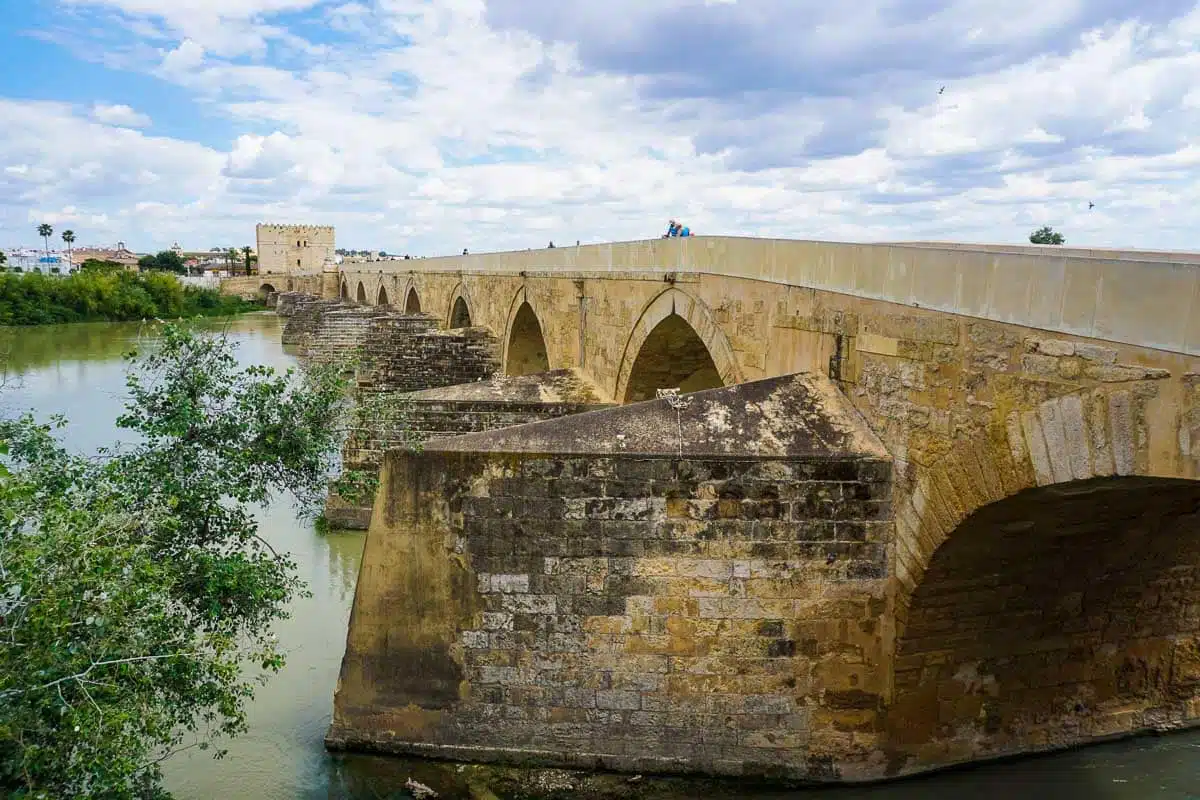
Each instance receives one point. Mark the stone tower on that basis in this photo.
(294, 249)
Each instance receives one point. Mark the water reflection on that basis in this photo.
(77, 370)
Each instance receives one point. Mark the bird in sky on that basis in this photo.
(942, 90)
(1091, 205)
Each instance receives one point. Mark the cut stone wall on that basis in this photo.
(398, 353)
(409, 419)
(305, 319)
(287, 302)
(406, 420)
(1058, 616)
(693, 585)
(255, 286)
(407, 353)
(286, 249)
(346, 333)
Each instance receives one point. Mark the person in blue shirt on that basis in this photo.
(685, 231)
(672, 229)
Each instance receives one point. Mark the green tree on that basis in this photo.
(101, 265)
(104, 291)
(164, 261)
(3, 260)
(68, 236)
(46, 231)
(246, 252)
(135, 587)
(1047, 235)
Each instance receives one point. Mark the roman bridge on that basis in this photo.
(917, 504)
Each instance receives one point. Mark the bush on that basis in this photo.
(98, 265)
(99, 294)
(135, 588)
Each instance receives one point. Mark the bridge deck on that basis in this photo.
(1146, 299)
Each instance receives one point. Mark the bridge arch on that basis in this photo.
(381, 299)
(412, 300)
(265, 289)
(361, 296)
(1039, 597)
(344, 292)
(460, 309)
(675, 343)
(525, 351)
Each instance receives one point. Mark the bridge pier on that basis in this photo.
(691, 584)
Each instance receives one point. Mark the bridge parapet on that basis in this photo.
(1148, 301)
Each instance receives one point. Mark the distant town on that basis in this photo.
(216, 262)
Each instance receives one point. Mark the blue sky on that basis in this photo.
(426, 126)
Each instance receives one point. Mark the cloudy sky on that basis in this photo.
(426, 126)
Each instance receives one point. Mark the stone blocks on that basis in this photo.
(705, 598)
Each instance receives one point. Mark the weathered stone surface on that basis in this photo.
(797, 415)
(713, 584)
(1040, 365)
(1095, 352)
(1052, 347)
(406, 420)
(1120, 373)
(1076, 630)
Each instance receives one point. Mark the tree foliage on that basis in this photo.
(95, 294)
(134, 586)
(164, 261)
(1047, 235)
(101, 265)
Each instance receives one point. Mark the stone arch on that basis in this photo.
(345, 290)
(265, 289)
(684, 317)
(460, 310)
(525, 351)
(361, 296)
(1043, 584)
(1074, 437)
(412, 301)
(381, 298)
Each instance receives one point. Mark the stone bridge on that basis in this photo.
(917, 505)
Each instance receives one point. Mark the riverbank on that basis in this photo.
(88, 296)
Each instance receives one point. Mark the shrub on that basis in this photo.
(98, 294)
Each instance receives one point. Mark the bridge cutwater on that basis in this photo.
(913, 505)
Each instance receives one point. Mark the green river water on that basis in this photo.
(77, 370)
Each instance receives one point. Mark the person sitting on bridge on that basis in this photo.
(684, 230)
(672, 229)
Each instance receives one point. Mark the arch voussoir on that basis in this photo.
(697, 316)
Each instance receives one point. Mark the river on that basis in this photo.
(77, 371)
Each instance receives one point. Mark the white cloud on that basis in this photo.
(421, 126)
(120, 115)
(184, 58)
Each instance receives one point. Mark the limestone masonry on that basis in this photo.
(914, 505)
(293, 249)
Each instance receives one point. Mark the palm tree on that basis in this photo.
(69, 238)
(246, 253)
(45, 231)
